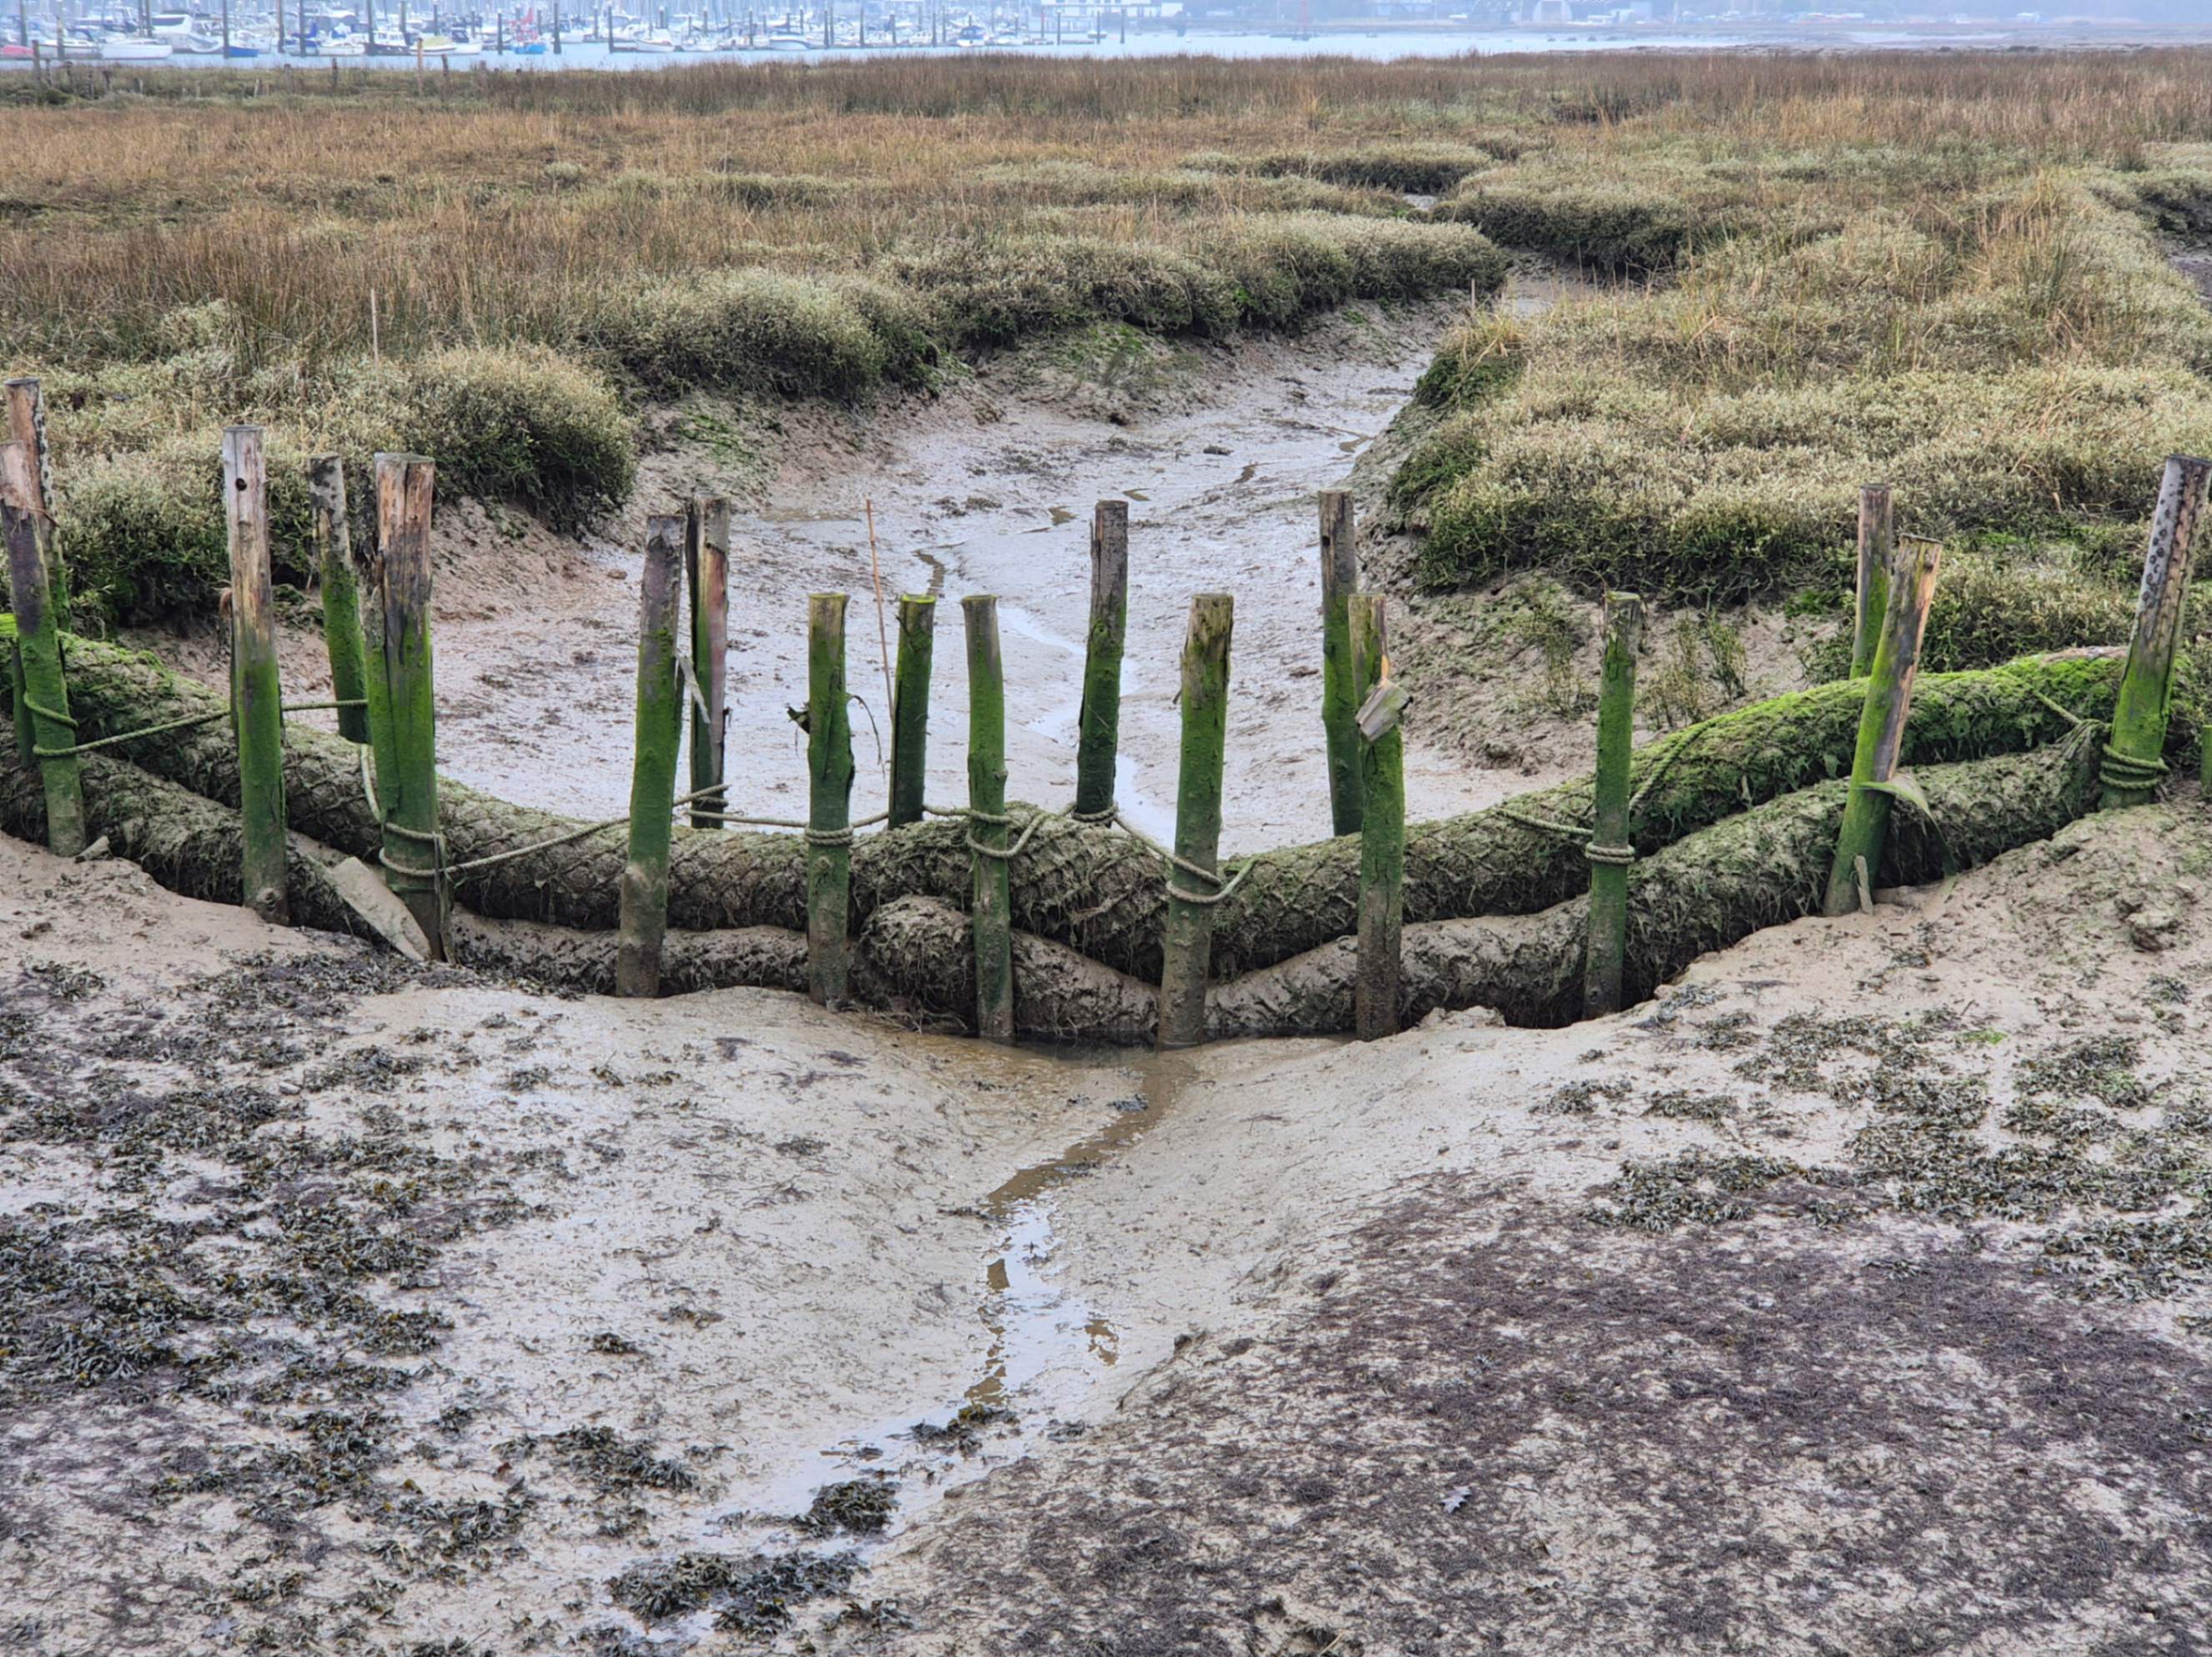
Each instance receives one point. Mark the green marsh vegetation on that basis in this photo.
(1943, 271)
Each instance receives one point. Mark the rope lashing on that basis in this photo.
(2129, 771)
(2061, 710)
(1544, 825)
(1611, 856)
(186, 724)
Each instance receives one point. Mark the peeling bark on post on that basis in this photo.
(334, 563)
(644, 917)
(1877, 555)
(1609, 839)
(43, 691)
(1881, 731)
(706, 574)
(1099, 724)
(992, 908)
(402, 707)
(1339, 701)
(27, 424)
(1382, 831)
(1189, 947)
(830, 804)
(917, 631)
(257, 700)
(2132, 765)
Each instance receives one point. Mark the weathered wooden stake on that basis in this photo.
(917, 631)
(42, 689)
(644, 913)
(1610, 850)
(1099, 724)
(1877, 553)
(1188, 954)
(706, 575)
(2132, 762)
(27, 424)
(830, 803)
(1381, 825)
(403, 716)
(1882, 731)
(334, 561)
(992, 906)
(1339, 701)
(257, 701)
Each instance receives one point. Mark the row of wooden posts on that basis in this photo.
(376, 607)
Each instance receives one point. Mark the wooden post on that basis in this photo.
(403, 719)
(1611, 850)
(1882, 731)
(1339, 701)
(257, 701)
(39, 646)
(27, 424)
(1382, 824)
(1189, 952)
(334, 560)
(1099, 724)
(830, 803)
(1877, 553)
(917, 627)
(644, 917)
(706, 574)
(992, 906)
(2132, 762)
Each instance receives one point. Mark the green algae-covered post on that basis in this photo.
(1382, 824)
(43, 690)
(706, 574)
(829, 804)
(257, 701)
(1611, 851)
(1099, 724)
(1339, 701)
(644, 911)
(1882, 731)
(334, 565)
(917, 635)
(27, 424)
(1877, 553)
(1188, 956)
(993, 908)
(403, 715)
(2132, 762)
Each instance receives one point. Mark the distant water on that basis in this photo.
(1381, 44)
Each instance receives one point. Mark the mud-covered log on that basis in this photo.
(1761, 868)
(1093, 888)
(1713, 889)
(187, 843)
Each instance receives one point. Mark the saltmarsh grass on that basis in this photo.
(1936, 270)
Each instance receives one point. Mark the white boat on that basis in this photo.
(346, 47)
(446, 46)
(134, 49)
(788, 40)
(657, 43)
(191, 45)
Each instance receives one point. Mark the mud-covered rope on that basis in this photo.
(1545, 825)
(1611, 856)
(41, 752)
(2129, 771)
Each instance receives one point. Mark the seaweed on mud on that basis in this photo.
(2064, 1159)
(1580, 1098)
(752, 1595)
(63, 981)
(964, 1431)
(606, 1460)
(861, 1506)
(1696, 1186)
(1682, 1105)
